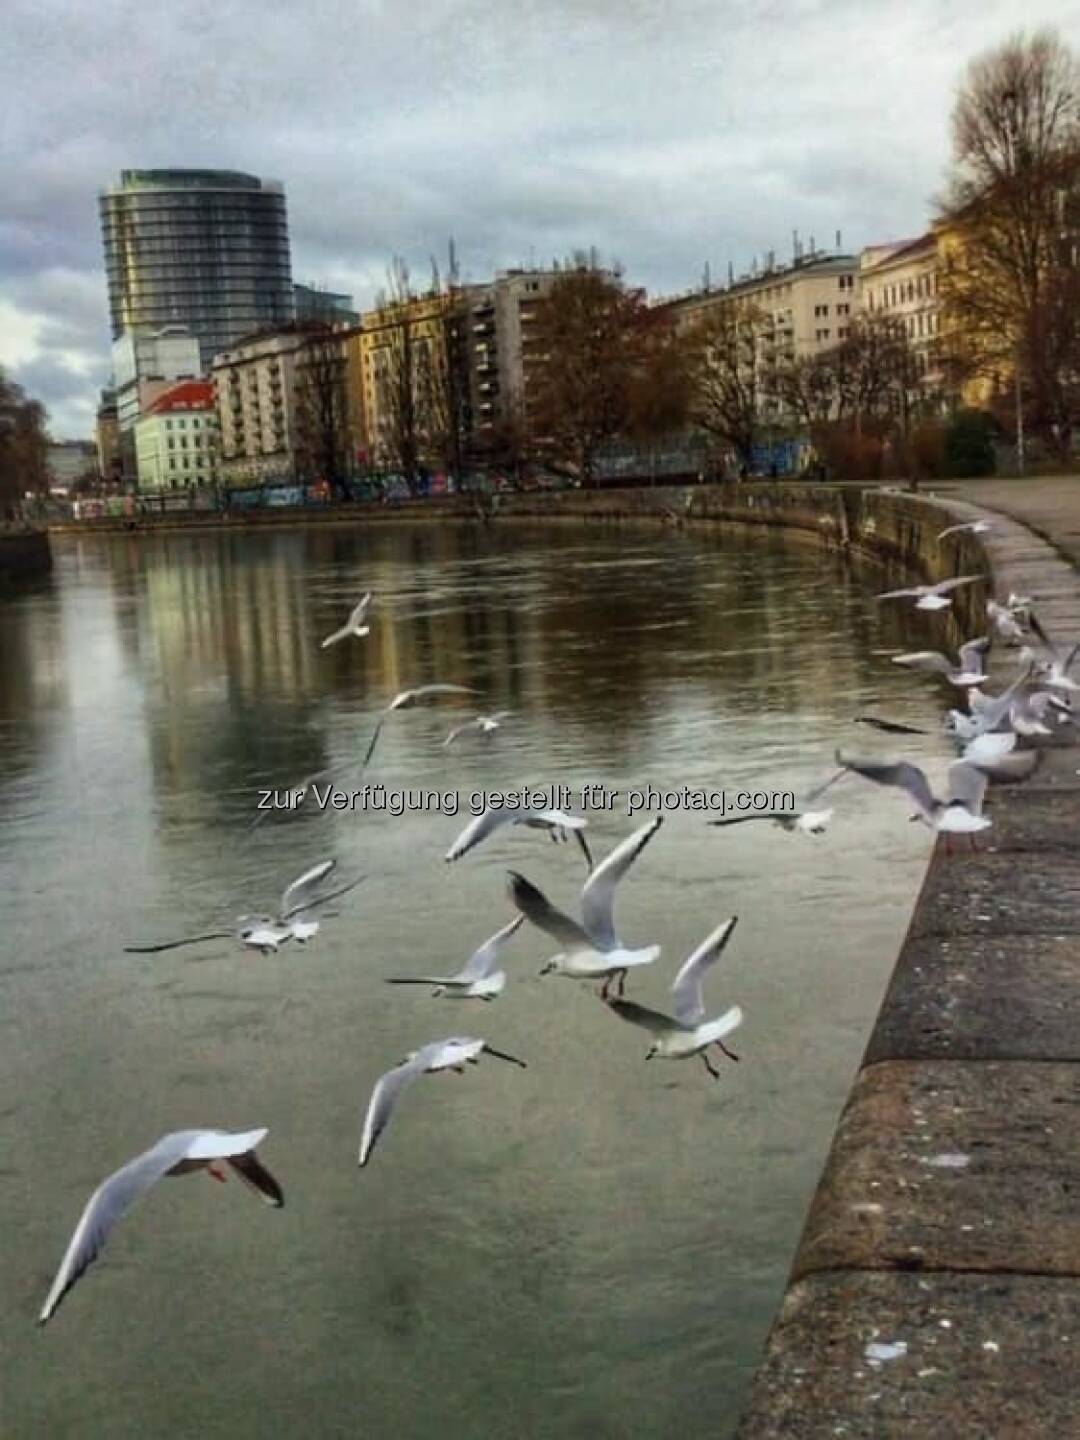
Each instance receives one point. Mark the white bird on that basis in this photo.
(1005, 622)
(969, 672)
(557, 823)
(452, 1054)
(267, 932)
(805, 822)
(973, 527)
(960, 814)
(988, 712)
(930, 597)
(407, 699)
(478, 978)
(688, 1033)
(174, 1154)
(1053, 661)
(591, 950)
(485, 724)
(354, 625)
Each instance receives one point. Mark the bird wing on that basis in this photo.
(255, 1174)
(385, 1096)
(925, 660)
(901, 594)
(955, 529)
(944, 586)
(900, 773)
(334, 637)
(598, 896)
(460, 730)
(357, 613)
(967, 785)
(971, 655)
(740, 819)
(891, 727)
(374, 739)
(298, 894)
(478, 829)
(175, 944)
(687, 988)
(108, 1204)
(503, 1055)
(536, 907)
(641, 1015)
(421, 692)
(482, 962)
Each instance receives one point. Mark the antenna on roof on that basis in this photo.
(706, 279)
(838, 239)
(730, 274)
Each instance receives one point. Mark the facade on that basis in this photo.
(901, 281)
(206, 249)
(107, 439)
(145, 365)
(68, 461)
(416, 327)
(266, 389)
(176, 440)
(313, 303)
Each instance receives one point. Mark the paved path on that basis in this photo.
(1050, 507)
(946, 1228)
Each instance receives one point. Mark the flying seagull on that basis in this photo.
(1053, 661)
(688, 1032)
(973, 527)
(557, 823)
(930, 597)
(478, 978)
(1006, 622)
(590, 950)
(806, 822)
(174, 1154)
(353, 626)
(960, 814)
(969, 672)
(267, 932)
(452, 1054)
(485, 724)
(407, 699)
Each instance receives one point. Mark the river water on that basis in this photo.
(590, 1247)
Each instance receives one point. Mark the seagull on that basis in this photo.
(266, 932)
(988, 712)
(591, 950)
(1005, 622)
(969, 672)
(557, 823)
(353, 626)
(407, 699)
(973, 527)
(1052, 661)
(174, 1154)
(806, 822)
(688, 1032)
(485, 724)
(477, 979)
(960, 814)
(930, 597)
(452, 1054)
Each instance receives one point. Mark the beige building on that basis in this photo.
(255, 387)
(176, 438)
(901, 281)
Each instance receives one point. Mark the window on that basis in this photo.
(172, 443)
(841, 332)
(168, 424)
(843, 309)
(172, 462)
(820, 310)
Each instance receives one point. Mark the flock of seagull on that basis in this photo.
(589, 948)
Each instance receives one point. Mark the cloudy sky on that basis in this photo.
(667, 133)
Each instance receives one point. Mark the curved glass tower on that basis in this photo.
(207, 249)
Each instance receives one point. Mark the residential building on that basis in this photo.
(206, 249)
(402, 338)
(314, 303)
(68, 461)
(176, 444)
(107, 439)
(146, 364)
(900, 281)
(265, 404)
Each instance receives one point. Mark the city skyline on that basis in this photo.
(703, 135)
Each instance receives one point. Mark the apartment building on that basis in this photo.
(900, 280)
(255, 388)
(176, 439)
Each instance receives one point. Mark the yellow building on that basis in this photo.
(901, 281)
(406, 338)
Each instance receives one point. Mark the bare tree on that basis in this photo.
(23, 447)
(589, 339)
(1009, 211)
(395, 362)
(450, 400)
(321, 408)
(725, 375)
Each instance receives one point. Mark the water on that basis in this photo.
(591, 1247)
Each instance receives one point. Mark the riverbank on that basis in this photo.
(23, 555)
(945, 1228)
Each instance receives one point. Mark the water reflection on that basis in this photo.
(586, 1249)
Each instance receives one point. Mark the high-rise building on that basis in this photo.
(330, 306)
(206, 249)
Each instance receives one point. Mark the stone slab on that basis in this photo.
(998, 997)
(952, 1165)
(988, 1357)
(1000, 892)
(1058, 768)
(1027, 817)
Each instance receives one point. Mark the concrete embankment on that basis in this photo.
(23, 554)
(946, 1227)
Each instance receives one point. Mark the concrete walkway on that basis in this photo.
(1050, 506)
(946, 1228)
